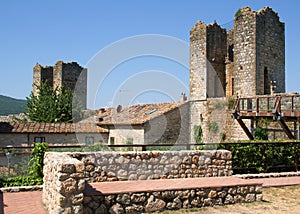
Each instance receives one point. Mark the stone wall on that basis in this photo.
(198, 62)
(172, 127)
(270, 47)
(63, 183)
(107, 166)
(148, 202)
(208, 48)
(65, 174)
(259, 52)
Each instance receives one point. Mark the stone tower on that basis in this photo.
(241, 62)
(67, 75)
(208, 49)
(207, 54)
(258, 52)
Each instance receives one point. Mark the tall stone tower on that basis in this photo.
(244, 61)
(67, 75)
(207, 54)
(258, 52)
(208, 49)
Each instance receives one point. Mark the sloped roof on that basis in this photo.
(40, 127)
(134, 115)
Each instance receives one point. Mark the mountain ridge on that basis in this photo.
(9, 105)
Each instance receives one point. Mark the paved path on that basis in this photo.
(22, 202)
(30, 202)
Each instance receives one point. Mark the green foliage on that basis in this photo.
(230, 103)
(96, 148)
(10, 105)
(53, 105)
(21, 181)
(222, 136)
(213, 127)
(238, 13)
(217, 105)
(37, 161)
(198, 133)
(258, 158)
(261, 133)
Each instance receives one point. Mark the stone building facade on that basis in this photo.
(67, 75)
(243, 61)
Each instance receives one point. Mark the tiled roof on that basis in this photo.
(35, 127)
(134, 115)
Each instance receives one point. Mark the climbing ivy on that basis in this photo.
(36, 163)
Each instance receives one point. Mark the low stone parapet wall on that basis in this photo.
(63, 183)
(106, 198)
(65, 174)
(108, 166)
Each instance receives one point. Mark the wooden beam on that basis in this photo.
(285, 128)
(245, 128)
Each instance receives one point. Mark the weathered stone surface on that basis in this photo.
(154, 205)
(116, 209)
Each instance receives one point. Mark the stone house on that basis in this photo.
(146, 123)
(27, 133)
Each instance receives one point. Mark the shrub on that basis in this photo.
(198, 133)
(213, 127)
(261, 133)
(37, 161)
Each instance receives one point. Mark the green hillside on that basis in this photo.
(10, 105)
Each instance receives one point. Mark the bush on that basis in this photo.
(198, 133)
(37, 161)
(21, 181)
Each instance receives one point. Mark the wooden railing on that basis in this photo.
(285, 104)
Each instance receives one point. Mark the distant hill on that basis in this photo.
(10, 105)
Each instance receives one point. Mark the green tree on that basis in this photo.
(52, 105)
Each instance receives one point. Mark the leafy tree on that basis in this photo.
(52, 105)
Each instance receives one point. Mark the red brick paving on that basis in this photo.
(168, 184)
(22, 202)
(275, 182)
(31, 202)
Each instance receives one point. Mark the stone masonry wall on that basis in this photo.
(63, 183)
(65, 174)
(148, 202)
(171, 128)
(198, 62)
(69, 75)
(270, 48)
(107, 166)
(245, 53)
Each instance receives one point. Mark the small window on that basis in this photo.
(39, 139)
(232, 86)
(89, 140)
(111, 140)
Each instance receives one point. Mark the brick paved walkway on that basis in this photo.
(30, 202)
(22, 202)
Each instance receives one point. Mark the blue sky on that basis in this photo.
(48, 31)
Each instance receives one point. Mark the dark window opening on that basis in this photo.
(230, 52)
(89, 140)
(112, 140)
(39, 139)
(232, 86)
(266, 81)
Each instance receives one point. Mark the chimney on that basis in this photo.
(183, 98)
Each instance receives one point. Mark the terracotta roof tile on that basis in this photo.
(35, 127)
(134, 115)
